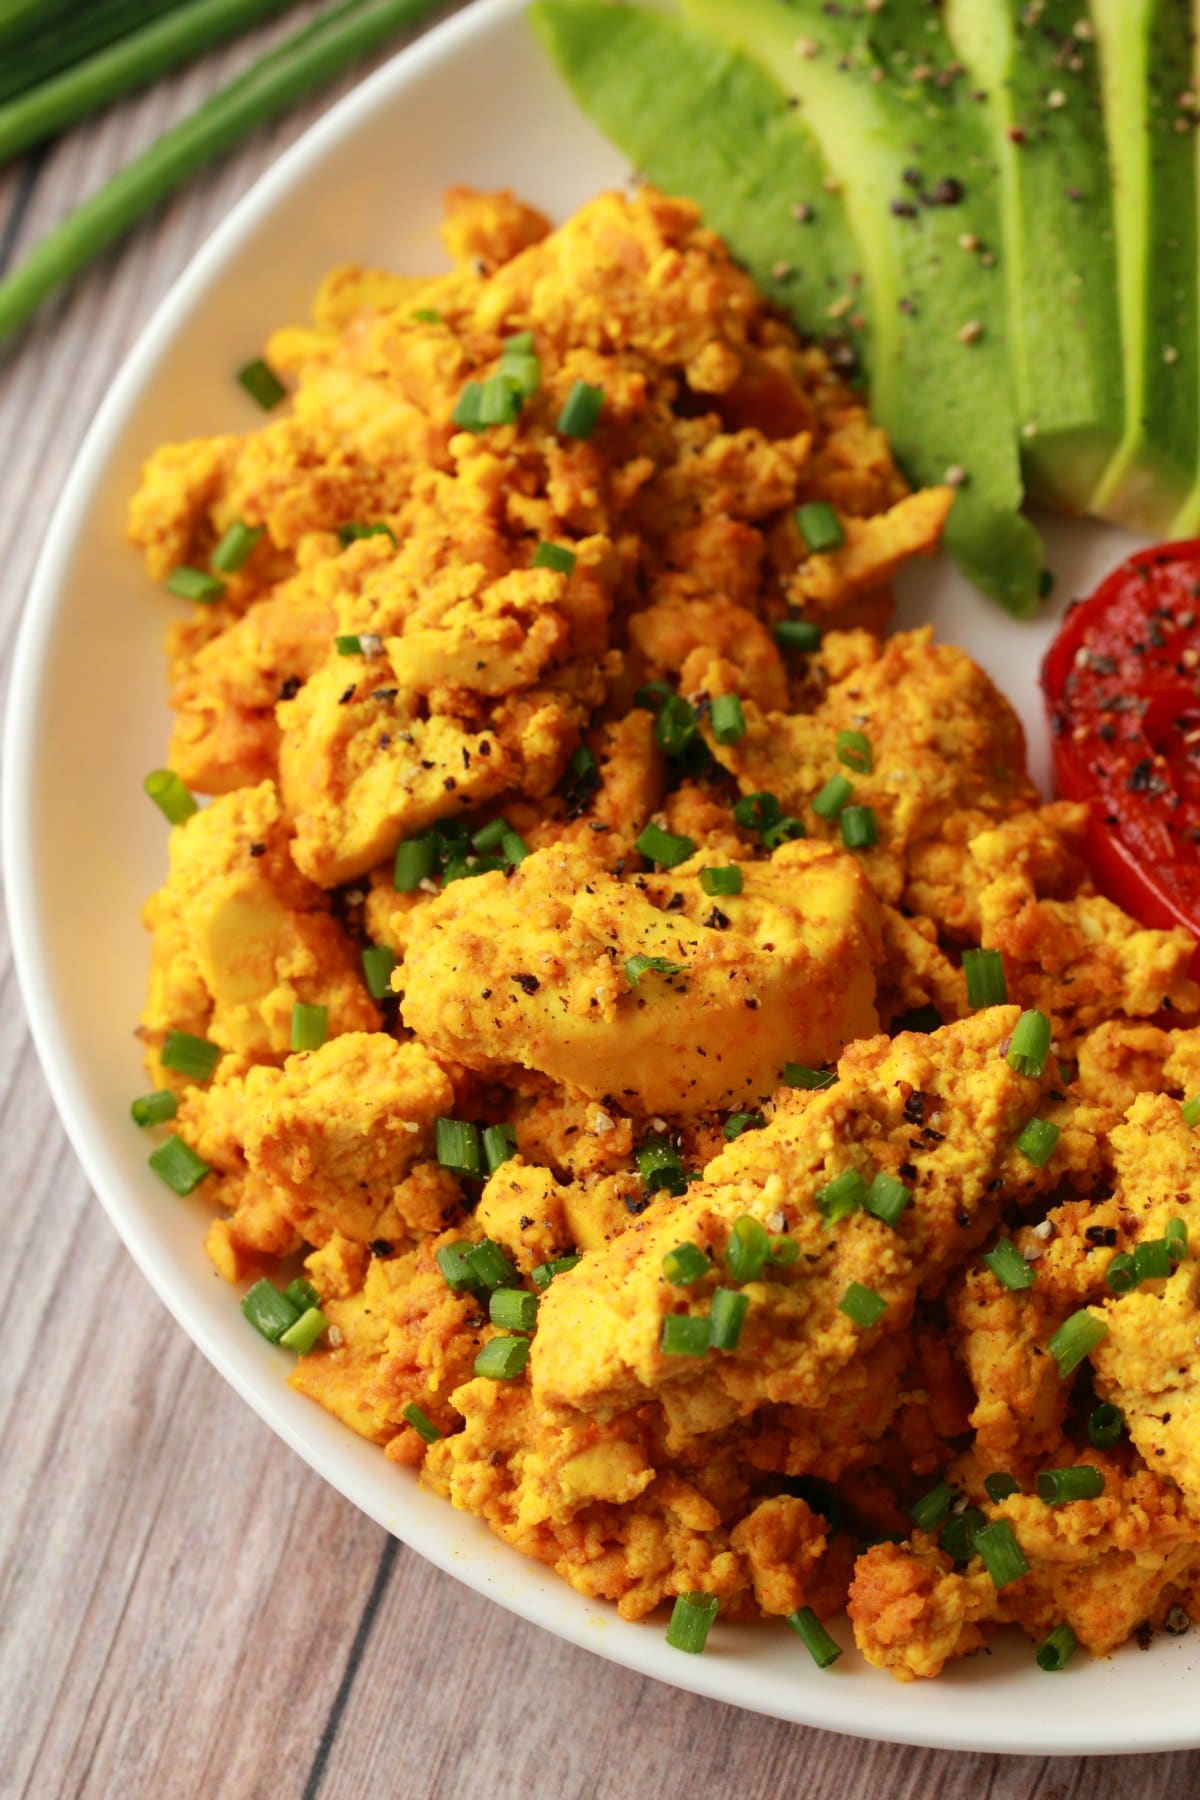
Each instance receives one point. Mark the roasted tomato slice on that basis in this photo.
(1122, 689)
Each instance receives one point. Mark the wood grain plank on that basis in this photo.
(185, 1609)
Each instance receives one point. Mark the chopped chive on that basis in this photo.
(1105, 1425)
(784, 831)
(652, 696)
(1002, 1556)
(726, 1318)
(194, 584)
(1121, 1274)
(353, 530)
(499, 1146)
(685, 1264)
(310, 1026)
(500, 400)
(725, 880)
(691, 1620)
(928, 1512)
(797, 634)
(1175, 1237)
(518, 343)
(1058, 1487)
(192, 1056)
(784, 1251)
(1152, 1261)
(819, 526)
(513, 848)
(522, 371)
(1030, 1045)
(349, 644)
(489, 1265)
(1055, 1651)
(544, 1273)
(956, 1534)
(154, 1109)
(378, 963)
(426, 315)
(675, 727)
(503, 1358)
(887, 1198)
(986, 983)
(262, 384)
(513, 1309)
(1189, 1112)
(1038, 1140)
(832, 797)
(684, 1335)
(747, 1249)
(860, 827)
(736, 1123)
(637, 966)
(306, 1332)
(1009, 1266)
(468, 409)
(799, 1075)
(756, 812)
(464, 868)
(553, 556)
(583, 774)
(854, 749)
(1075, 1339)
(421, 1423)
(457, 1272)
(490, 836)
(728, 719)
(270, 1312)
(178, 1165)
(302, 1294)
(664, 847)
(862, 1305)
(813, 1635)
(416, 859)
(581, 411)
(659, 1165)
(458, 1147)
(845, 1194)
(169, 793)
(236, 546)
(1000, 1485)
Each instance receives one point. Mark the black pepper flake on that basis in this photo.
(1101, 1234)
(258, 849)
(674, 904)
(932, 1136)
(903, 209)
(486, 994)
(384, 693)
(381, 1247)
(1142, 777)
(962, 1219)
(524, 1222)
(450, 784)
(717, 920)
(528, 984)
(347, 696)
(948, 192)
(289, 688)
(908, 1171)
(914, 1108)
(637, 1204)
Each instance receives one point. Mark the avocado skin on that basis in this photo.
(895, 121)
(1146, 56)
(697, 118)
(1040, 69)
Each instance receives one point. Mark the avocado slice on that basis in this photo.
(895, 116)
(1040, 69)
(1146, 65)
(697, 118)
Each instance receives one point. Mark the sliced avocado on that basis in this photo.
(896, 119)
(697, 118)
(1041, 72)
(1146, 66)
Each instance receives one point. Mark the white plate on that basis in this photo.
(471, 102)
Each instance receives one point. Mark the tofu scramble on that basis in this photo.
(730, 1145)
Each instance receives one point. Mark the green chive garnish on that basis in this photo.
(154, 1109)
(1038, 1140)
(956, 1534)
(728, 719)
(664, 847)
(799, 1075)
(1105, 1425)
(489, 1265)
(845, 1194)
(1189, 1112)
(426, 315)
(262, 384)
(173, 799)
(194, 584)
(353, 530)
(986, 984)
(457, 1272)
(887, 1198)
(683, 1335)
(307, 1330)
(813, 1635)
(192, 1056)
(862, 1305)
(1002, 1555)
(421, 1423)
(553, 556)
(235, 547)
(416, 859)
(513, 848)
(1121, 1274)
(797, 634)
(468, 410)
(544, 1273)
(500, 400)
(581, 412)
(756, 812)
(1030, 1045)
(348, 645)
(736, 1123)
(726, 880)
(378, 963)
(659, 1165)
(1009, 1266)
(302, 1294)
(928, 1512)
(685, 1264)
(819, 526)
(458, 1146)
(1054, 1652)
(854, 749)
(675, 727)
(1000, 1485)
(832, 797)
(177, 1164)
(503, 1358)
(270, 1312)
(691, 1621)
(310, 1026)
(499, 1146)
(726, 1318)
(513, 1309)
(784, 831)
(860, 827)
(747, 1249)
(489, 837)
(1075, 1339)
(1058, 1487)
(1175, 1237)
(1152, 1261)
(637, 966)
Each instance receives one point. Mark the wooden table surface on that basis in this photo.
(185, 1608)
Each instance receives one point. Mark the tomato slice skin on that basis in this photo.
(1122, 689)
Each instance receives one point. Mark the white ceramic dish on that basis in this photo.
(472, 102)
